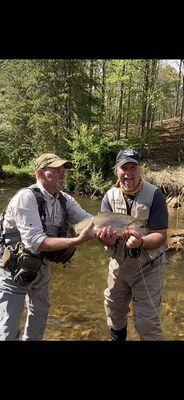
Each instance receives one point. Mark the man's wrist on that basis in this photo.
(142, 242)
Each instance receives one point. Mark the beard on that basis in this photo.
(60, 185)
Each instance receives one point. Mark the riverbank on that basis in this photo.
(169, 179)
(176, 214)
(10, 174)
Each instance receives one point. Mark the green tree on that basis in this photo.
(93, 158)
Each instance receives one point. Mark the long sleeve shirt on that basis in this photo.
(22, 213)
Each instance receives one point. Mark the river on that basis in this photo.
(76, 292)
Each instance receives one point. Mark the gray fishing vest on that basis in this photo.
(140, 209)
(12, 237)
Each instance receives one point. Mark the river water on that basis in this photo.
(76, 292)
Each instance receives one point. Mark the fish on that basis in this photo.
(119, 222)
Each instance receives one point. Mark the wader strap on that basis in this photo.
(41, 208)
(2, 240)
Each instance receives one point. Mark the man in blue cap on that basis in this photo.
(136, 269)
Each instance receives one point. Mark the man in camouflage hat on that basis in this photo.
(34, 231)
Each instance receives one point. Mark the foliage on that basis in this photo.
(97, 184)
(79, 108)
(93, 157)
(39, 100)
(24, 175)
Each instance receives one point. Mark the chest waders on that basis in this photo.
(24, 265)
(138, 207)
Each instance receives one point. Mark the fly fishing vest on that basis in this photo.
(140, 209)
(65, 230)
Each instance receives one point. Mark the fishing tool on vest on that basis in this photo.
(134, 253)
(23, 265)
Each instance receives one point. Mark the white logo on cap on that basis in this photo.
(128, 153)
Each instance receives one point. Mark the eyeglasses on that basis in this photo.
(57, 170)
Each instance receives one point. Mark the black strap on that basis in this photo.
(41, 208)
(58, 256)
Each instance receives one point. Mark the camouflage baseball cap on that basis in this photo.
(51, 160)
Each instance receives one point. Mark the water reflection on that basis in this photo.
(173, 305)
(76, 292)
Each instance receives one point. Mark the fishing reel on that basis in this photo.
(134, 253)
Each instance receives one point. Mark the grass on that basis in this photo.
(18, 175)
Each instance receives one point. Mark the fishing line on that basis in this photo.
(146, 286)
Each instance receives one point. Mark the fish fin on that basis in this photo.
(104, 212)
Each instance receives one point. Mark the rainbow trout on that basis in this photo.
(119, 222)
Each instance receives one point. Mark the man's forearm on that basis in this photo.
(154, 240)
(55, 244)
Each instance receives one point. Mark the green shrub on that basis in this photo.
(93, 157)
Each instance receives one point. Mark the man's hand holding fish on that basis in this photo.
(107, 236)
(133, 239)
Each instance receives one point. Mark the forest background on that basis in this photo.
(86, 111)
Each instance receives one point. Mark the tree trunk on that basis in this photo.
(120, 106)
(152, 88)
(68, 110)
(128, 105)
(182, 104)
(145, 97)
(91, 68)
(69, 100)
(103, 93)
(180, 125)
(178, 91)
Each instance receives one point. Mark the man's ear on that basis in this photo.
(39, 173)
